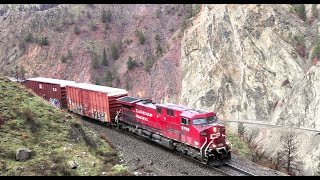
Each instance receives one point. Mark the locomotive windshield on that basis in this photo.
(202, 121)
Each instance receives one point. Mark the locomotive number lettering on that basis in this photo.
(185, 128)
(141, 117)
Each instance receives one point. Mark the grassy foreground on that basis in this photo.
(53, 136)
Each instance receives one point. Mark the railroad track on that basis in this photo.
(227, 170)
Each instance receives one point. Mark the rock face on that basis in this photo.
(244, 62)
(241, 61)
(23, 154)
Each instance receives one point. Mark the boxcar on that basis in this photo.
(94, 101)
(53, 90)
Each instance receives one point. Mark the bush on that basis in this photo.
(104, 57)
(76, 30)
(148, 64)
(97, 81)
(159, 49)
(157, 37)
(28, 38)
(114, 52)
(131, 63)
(316, 51)
(95, 62)
(300, 9)
(315, 10)
(63, 59)
(43, 41)
(103, 16)
(300, 40)
(108, 16)
(158, 13)
(108, 77)
(142, 39)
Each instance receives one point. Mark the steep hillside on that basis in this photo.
(59, 145)
(68, 42)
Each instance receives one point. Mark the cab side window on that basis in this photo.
(170, 112)
(159, 110)
(185, 121)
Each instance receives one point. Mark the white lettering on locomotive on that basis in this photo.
(143, 112)
(141, 117)
(185, 128)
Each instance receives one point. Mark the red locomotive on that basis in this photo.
(194, 132)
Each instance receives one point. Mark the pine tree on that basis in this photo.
(104, 57)
(114, 52)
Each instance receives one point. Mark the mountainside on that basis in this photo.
(49, 141)
(68, 42)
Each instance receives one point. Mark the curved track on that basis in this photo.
(227, 170)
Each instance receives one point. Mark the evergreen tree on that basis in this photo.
(104, 57)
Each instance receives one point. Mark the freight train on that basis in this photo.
(194, 132)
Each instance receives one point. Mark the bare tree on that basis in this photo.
(317, 172)
(278, 161)
(289, 150)
(241, 129)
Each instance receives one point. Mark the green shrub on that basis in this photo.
(316, 51)
(43, 41)
(300, 9)
(108, 77)
(159, 49)
(76, 30)
(97, 81)
(114, 52)
(108, 16)
(148, 64)
(104, 57)
(142, 39)
(28, 38)
(103, 16)
(130, 63)
(95, 62)
(315, 10)
(63, 59)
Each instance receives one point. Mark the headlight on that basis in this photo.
(203, 133)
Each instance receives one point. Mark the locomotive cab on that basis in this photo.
(210, 137)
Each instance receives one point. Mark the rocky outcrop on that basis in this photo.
(23, 154)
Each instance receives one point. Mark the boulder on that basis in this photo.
(23, 154)
(73, 164)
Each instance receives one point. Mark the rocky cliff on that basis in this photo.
(242, 61)
(254, 63)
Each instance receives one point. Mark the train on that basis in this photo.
(196, 133)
